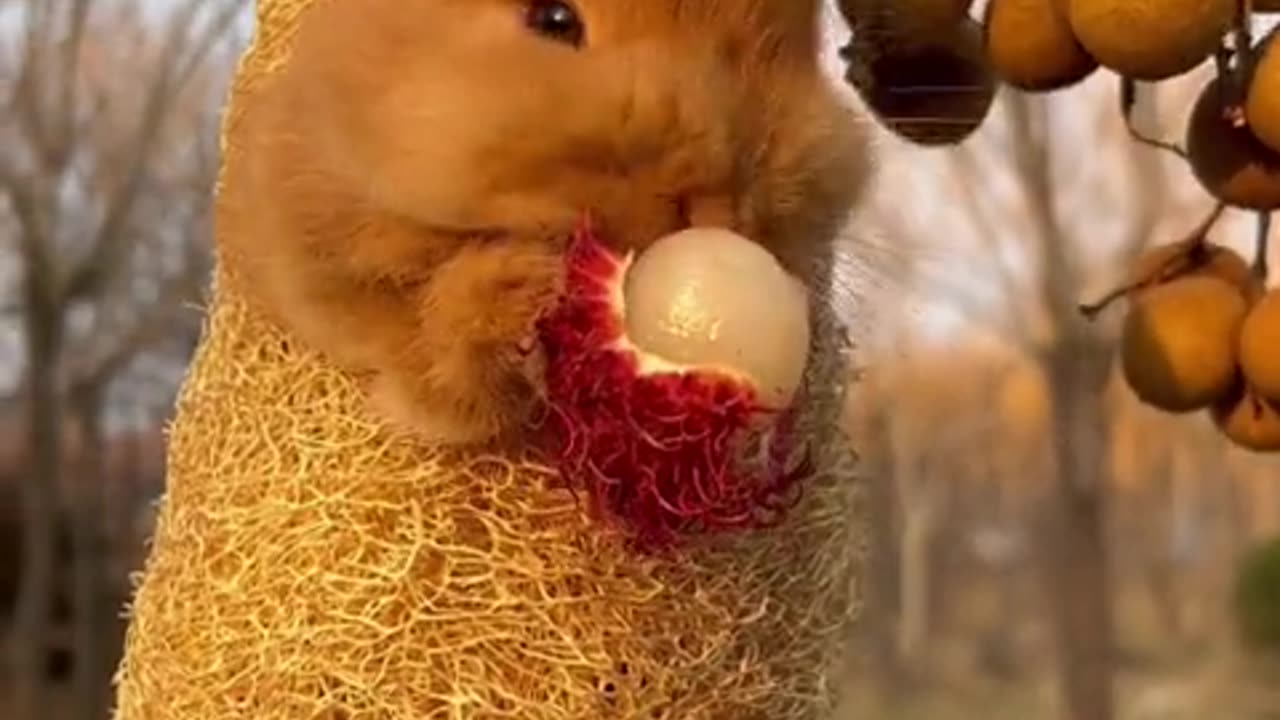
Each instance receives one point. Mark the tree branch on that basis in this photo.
(39, 269)
(149, 326)
(62, 128)
(1149, 178)
(105, 257)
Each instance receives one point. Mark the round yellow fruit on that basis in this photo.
(1150, 39)
(1248, 420)
(1167, 262)
(1179, 340)
(1260, 346)
(1031, 46)
(1230, 162)
(1262, 99)
(931, 89)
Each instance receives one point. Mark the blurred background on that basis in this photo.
(1043, 545)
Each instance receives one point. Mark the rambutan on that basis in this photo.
(671, 379)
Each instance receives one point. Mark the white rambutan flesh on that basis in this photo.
(709, 298)
(672, 379)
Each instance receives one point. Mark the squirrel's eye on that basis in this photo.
(556, 20)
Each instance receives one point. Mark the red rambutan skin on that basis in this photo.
(659, 453)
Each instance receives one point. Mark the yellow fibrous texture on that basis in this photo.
(307, 563)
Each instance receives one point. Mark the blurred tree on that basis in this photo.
(1056, 191)
(106, 168)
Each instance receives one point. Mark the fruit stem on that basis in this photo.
(1237, 80)
(1128, 101)
(1261, 247)
(1196, 251)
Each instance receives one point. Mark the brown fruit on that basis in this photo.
(1232, 164)
(908, 16)
(1150, 39)
(1248, 420)
(1262, 99)
(1260, 346)
(931, 89)
(1182, 259)
(1031, 46)
(1179, 340)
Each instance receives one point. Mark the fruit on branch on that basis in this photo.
(670, 378)
(1230, 162)
(1150, 39)
(932, 88)
(1262, 98)
(1248, 419)
(1192, 257)
(1260, 346)
(1031, 46)
(1178, 343)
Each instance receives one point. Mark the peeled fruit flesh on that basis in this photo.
(1262, 99)
(1230, 162)
(1248, 420)
(1190, 258)
(931, 89)
(1178, 343)
(1031, 46)
(1150, 39)
(707, 297)
(1260, 346)
(671, 381)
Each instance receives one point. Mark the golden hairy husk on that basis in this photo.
(306, 563)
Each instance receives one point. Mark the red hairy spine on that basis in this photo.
(659, 452)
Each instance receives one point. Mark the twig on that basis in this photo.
(1235, 78)
(1194, 251)
(1128, 101)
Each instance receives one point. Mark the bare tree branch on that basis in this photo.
(150, 326)
(1149, 180)
(111, 242)
(62, 127)
(40, 278)
(25, 102)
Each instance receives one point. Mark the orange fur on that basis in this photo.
(408, 181)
